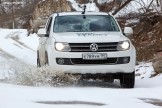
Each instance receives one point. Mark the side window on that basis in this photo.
(48, 26)
(47, 23)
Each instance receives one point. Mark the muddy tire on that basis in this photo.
(127, 80)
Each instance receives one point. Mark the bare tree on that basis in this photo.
(13, 19)
(2, 9)
(147, 9)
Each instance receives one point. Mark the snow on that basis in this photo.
(13, 96)
(17, 49)
(89, 6)
(16, 43)
(103, 1)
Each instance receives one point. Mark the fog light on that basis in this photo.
(125, 60)
(60, 61)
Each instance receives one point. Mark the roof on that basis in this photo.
(80, 13)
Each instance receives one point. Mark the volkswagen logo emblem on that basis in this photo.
(94, 47)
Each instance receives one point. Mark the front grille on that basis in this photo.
(85, 47)
(81, 61)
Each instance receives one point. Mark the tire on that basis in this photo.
(38, 61)
(127, 80)
(109, 80)
(46, 59)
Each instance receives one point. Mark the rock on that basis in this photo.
(44, 9)
(157, 64)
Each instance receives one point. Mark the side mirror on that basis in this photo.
(128, 31)
(42, 33)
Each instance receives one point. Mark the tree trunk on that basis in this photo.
(13, 19)
(161, 4)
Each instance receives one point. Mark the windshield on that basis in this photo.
(85, 23)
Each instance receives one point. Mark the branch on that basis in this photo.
(149, 6)
(121, 7)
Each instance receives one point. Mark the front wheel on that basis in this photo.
(109, 80)
(127, 80)
(46, 59)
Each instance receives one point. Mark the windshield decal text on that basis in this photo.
(91, 34)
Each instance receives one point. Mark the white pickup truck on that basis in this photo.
(89, 44)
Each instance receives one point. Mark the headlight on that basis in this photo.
(124, 45)
(62, 47)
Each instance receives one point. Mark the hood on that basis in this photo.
(89, 37)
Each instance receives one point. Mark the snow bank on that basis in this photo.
(145, 76)
(144, 70)
(17, 44)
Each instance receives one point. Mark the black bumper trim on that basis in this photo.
(80, 61)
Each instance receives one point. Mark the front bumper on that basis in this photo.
(93, 69)
(69, 67)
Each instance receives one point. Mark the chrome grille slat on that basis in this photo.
(106, 50)
(79, 46)
(85, 47)
(77, 50)
(107, 45)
